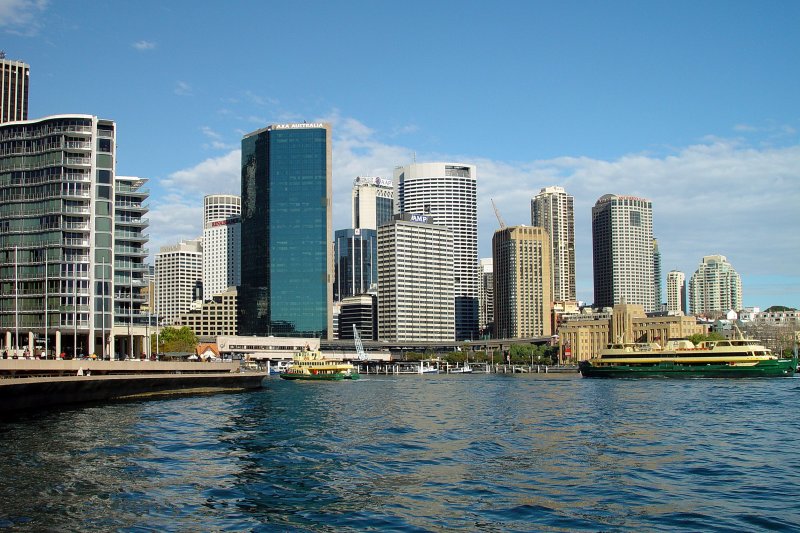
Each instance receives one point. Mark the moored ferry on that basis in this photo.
(312, 365)
(682, 358)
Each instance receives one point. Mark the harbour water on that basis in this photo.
(416, 453)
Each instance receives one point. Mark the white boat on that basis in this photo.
(466, 369)
(278, 366)
(427, 368)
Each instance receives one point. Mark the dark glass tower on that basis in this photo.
(286, 287)
(356, 262)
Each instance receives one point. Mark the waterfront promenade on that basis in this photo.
(34, 384)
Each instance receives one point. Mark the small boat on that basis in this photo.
(466, 369)
(278, 368)
(681, 358)
(312, 365)
(427, 368)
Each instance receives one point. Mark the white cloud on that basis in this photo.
(144, 45)
(183, 89)
(21, 17)
(717, 196)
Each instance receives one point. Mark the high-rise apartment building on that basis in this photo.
(373, 202)
(287, 237)
(179, 271)
(222, 235)
(57, 234)
(415, 280)
(522, 300)
(622, 243)
(715, 287)
(486, 299)
(356, 252)
(448, 192)
(676, 292)
(14, 77)
(131, 278)
(553, 210)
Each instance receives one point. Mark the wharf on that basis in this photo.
(34, 384)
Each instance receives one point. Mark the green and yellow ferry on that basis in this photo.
(681, 358)
(312, 365)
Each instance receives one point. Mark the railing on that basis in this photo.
(76, 242)
(76, 225)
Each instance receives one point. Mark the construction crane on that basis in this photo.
(362, 355)
(497, 214)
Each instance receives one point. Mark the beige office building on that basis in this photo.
(522, 298)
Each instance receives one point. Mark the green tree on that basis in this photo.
(175, 340)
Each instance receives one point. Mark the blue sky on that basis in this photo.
(694, 105)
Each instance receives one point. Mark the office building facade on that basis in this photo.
(362, 312)
(373, 202)
(622, 246)
(222, 235)
(214, 318)
(486, 299)
(57, 234)
(715, 287)
(448, 192)
(14, 77)
(415, 280)
(553, 209)
(356, 255)
(676, 292)
(178, 274)
(522, 282)
(287, 237)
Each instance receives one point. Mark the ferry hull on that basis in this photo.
(317, 377)
(765, 369)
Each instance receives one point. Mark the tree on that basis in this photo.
(176, 340)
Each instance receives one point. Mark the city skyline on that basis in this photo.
(687, 108)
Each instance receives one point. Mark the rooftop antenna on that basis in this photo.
(497, 214)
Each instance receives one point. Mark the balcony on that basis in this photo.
(77, 226)
(132, 221)
(76, 242)
(78, 161)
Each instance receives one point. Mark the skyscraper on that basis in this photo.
(622, 242)
(179, 270)
(522, 301)
(13, 90)
(222, 235)
(486, 305)
(448, 192)
(356, 252)
(373, 202)
(715, 287)
(552, 209)
(415, 280)
(287, 236)
(676, 292)
(656, 275)
(57, 233)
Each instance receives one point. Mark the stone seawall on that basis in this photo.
(34, 393)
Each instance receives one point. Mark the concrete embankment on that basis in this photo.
(25, 393)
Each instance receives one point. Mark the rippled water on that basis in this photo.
(417, 453)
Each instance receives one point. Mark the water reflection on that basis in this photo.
(494, 453)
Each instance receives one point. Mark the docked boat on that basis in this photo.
(312, 365)
(682, 358)
(466, 369)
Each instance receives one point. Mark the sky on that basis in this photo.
(692, 105)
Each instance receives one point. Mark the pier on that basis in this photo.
(35, 384)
